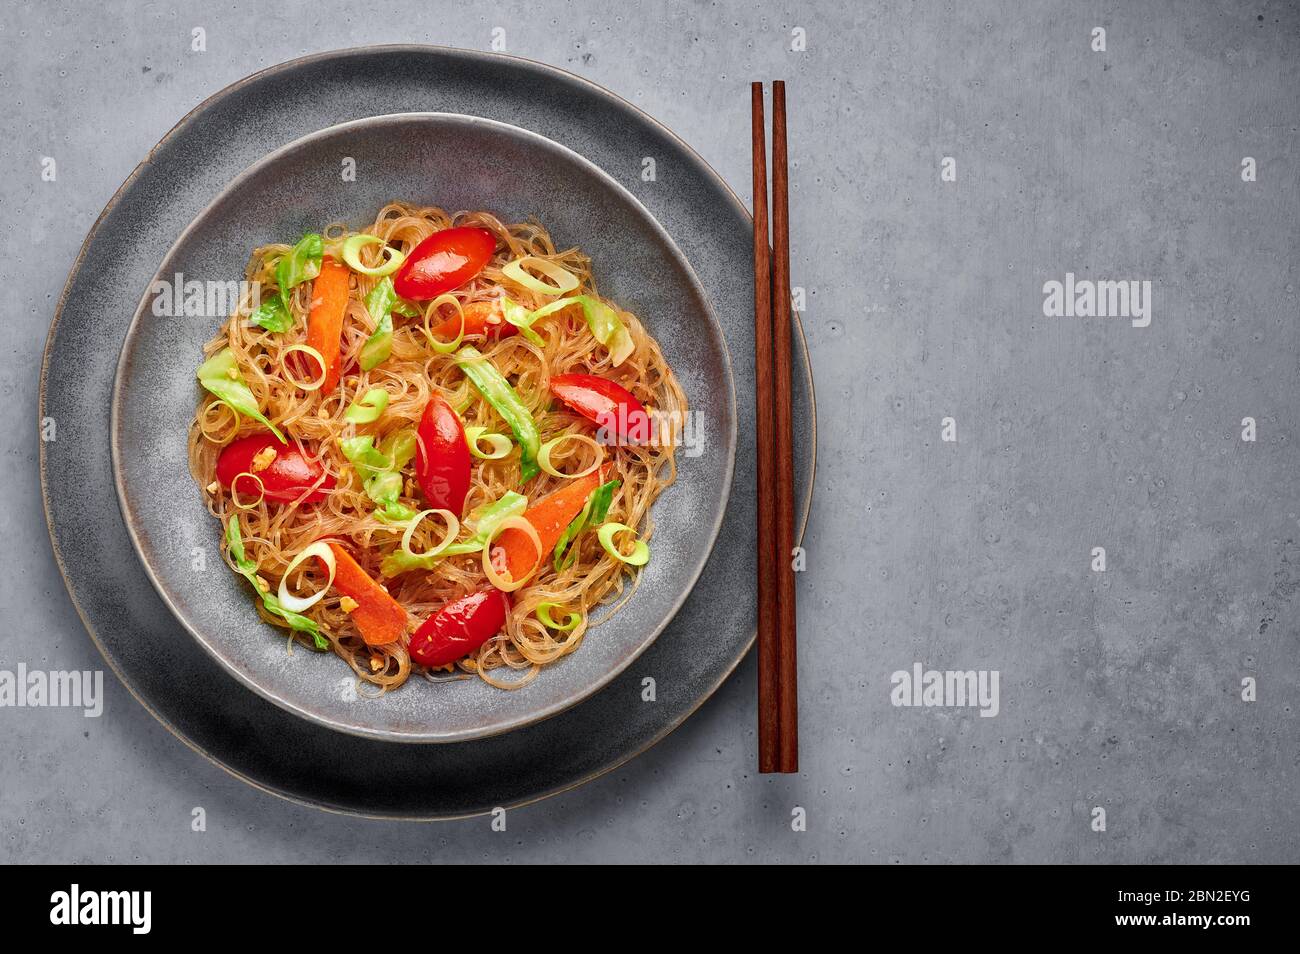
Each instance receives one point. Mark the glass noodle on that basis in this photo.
(593, 584)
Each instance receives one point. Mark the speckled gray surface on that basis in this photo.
(1120, 690)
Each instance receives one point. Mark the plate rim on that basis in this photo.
(130, 516)
(564, 76)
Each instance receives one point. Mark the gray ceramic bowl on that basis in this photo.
(457, 162)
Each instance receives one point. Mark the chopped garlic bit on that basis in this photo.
(262, 459)
(233, 374)
(376, 663)
(214, 487)
(348, 604)
(262, 585)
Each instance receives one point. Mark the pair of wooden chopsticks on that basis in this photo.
(778, 698)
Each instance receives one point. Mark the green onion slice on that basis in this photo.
(248, 569)
(301, 263)
(605, 324)
(315, 383)
(220, 376)
(484, 521)
(453, 528)
(499, 443)
(565, 281)
(444, 347)
(352, 247)
(640, 554)
(544, 455)
(234, 490)
(494, 577)
(297, 604)
(570, 622)
(496, 390)
(367, 408)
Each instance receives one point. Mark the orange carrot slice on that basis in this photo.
(379, 617)
(329, 300)
(481, 317)
(514, 551)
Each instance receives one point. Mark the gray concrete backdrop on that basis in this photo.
(1120, 690)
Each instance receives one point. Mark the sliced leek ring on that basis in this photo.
(640, 554)
(234, 490)
(313, 385)
(497, 579)
(453, 528)
(570, 622)
(544, 455)
(500, 444)
(444, 347)
(352, 247)
(297, 604)
(565, 281)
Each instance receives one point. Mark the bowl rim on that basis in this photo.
(356, 728)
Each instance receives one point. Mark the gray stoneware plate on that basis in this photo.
(457, 162)
(169, 673)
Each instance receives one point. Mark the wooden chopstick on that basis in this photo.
(787, 668)
(769, 746)
(778, 707)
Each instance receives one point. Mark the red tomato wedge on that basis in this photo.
(329, 300)
(287, 477)
(606, 403)
(442, 457)
(379, 617)
(514, 551)
(460, 627)
(443, 261)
